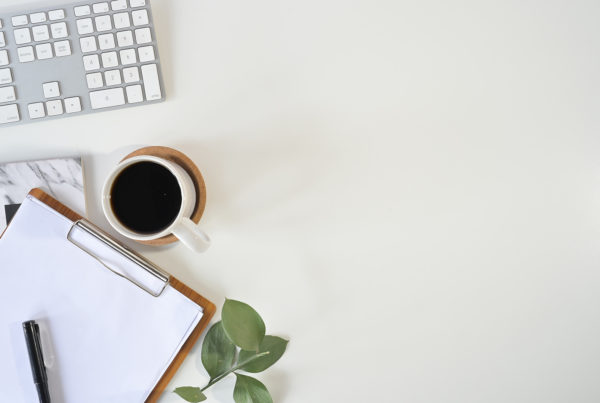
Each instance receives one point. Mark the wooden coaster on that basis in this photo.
(192, 170)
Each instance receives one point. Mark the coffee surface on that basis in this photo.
(146, 197)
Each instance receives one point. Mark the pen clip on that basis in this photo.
(45, 344)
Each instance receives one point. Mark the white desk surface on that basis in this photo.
(410, 191)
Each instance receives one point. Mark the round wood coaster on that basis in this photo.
(192, 170)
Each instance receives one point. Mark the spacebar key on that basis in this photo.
(107, 98)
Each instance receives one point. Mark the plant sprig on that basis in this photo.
(237, 343)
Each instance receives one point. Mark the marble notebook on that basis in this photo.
(62, 178)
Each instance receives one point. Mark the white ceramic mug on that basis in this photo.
(182, 226)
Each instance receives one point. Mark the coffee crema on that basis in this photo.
(146, 197)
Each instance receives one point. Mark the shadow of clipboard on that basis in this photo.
(209, 308)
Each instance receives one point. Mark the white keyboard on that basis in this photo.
(77, 58)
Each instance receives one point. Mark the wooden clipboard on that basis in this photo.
(209, 308)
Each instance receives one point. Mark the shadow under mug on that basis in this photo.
(181, 226)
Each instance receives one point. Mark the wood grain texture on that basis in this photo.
(208, 307)
(186, 163)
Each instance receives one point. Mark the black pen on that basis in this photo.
(36, 360)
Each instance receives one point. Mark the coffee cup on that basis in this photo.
(146, 198)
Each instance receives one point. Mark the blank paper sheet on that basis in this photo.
(105, 339)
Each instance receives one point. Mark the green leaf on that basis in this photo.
(273, 344)
(190, 394)
(218, 352)
(250, 390)
(243, 325)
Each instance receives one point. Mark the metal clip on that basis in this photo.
(140, 261)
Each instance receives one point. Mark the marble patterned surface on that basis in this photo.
(62, 178)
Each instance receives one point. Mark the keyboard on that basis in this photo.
(77, 58)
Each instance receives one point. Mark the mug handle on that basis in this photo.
(193, 237)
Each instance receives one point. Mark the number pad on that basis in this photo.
(111, 42)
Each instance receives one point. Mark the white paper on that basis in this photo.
(105, 339)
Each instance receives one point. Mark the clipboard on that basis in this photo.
(160, 279)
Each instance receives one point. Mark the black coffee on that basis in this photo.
(146, 197)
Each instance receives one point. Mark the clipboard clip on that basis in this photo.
(150, 268)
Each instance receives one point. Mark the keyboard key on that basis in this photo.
(36, 110)
(5, 76)
(26, 54)
(54, 107)
(44, 51)
(82, 11)
(124, 38)
(19, 20)
(37, 18)
(100, 8)
(128, 56)
(137, 3)
(134, 94)
(1, 24)
(72, 105)
(2, 40)
(121, 20)
(51, 90)
(106, 41)
(109, 59)
(143, 35)
(91, 62)
(88, 44)
(94, 80)
(112, 77)
(146, 54)
(85, 26)
(22, 36)
(131, 74)
(59, 30)
(9, 114)
(62, 48)
(40, 33)
(107, 98)
(7, 94)
(151, 82)
(118, 5)
(140, 17)
(103, 23)
(56, 15)
(4, 58)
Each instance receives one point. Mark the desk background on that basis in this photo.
(410, 191)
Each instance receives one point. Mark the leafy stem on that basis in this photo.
(233, 369)
(237, 342)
